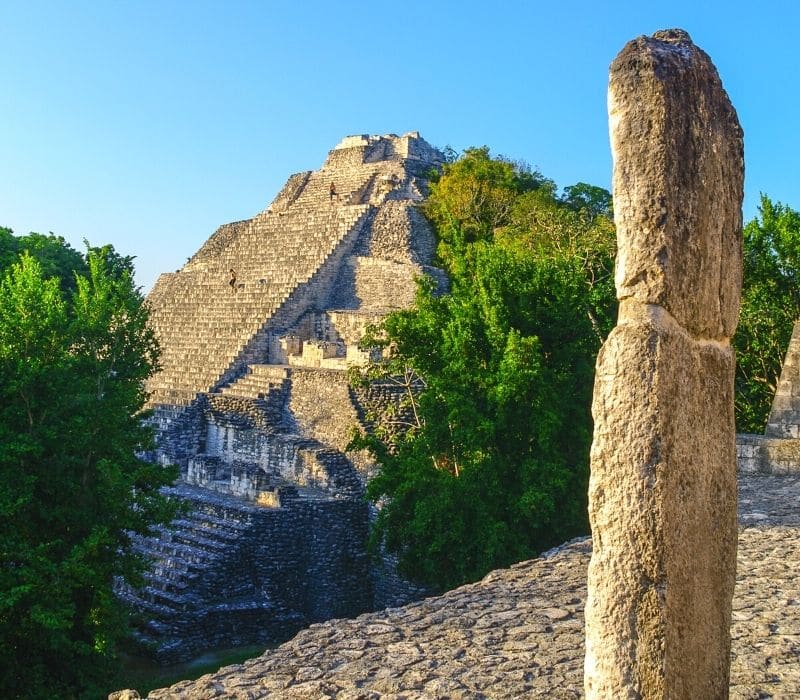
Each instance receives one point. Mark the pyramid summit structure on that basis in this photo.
(312, 252)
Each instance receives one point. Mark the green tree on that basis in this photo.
(590, 199)
(55, 256)
(546, 227)
(476, 193)
(770, 305)
(492, 466)
(9, 247)
(72, 371)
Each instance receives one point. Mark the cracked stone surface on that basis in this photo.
(519, 631)
(662, 491)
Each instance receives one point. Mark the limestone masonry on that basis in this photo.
(662, 491)
(252, 402)
(518, 633)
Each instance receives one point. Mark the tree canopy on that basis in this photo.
(475, 195)
(55, 256)
(493, 463)
(493, 466)
(73, 359)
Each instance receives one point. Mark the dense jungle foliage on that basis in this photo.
(493, 467)
(74, 353)
(493, 464)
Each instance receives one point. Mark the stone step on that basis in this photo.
(216, 505)
(174, 584)
(179, 553)
(205, 542)
(253, 387)
(176, 570)
(211, 521)
(152, 610)
(222, 534)
(165, 600)
(267, 370)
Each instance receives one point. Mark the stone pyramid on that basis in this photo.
(778, 450)
(254, 405)
(784, 418)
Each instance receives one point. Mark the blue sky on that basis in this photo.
(148, 124)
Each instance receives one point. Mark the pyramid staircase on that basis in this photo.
(207, 331)
(274, 535)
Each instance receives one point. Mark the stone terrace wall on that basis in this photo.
(400, 233)
(234, 573)
(760, 454)
(322, 405)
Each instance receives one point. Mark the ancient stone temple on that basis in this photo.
(257, 331)
(662, 494)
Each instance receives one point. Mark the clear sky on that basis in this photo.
(148, 124)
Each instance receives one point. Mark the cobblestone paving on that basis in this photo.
(519, 632)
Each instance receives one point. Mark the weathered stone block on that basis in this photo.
(663, 508)
(678, 164)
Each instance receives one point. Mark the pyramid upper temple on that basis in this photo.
(335, 249)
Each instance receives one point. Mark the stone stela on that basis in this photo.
(662, 494)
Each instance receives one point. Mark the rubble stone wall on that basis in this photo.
(240, 574)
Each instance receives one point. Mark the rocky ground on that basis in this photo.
(519, 631)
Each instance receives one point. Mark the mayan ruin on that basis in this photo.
(663, 407)
(420, 351)
(253, 403)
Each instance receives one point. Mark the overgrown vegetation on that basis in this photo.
(493, 466)
(770, 305)
(75, 351)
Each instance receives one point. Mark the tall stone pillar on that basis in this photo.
(662, 494)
